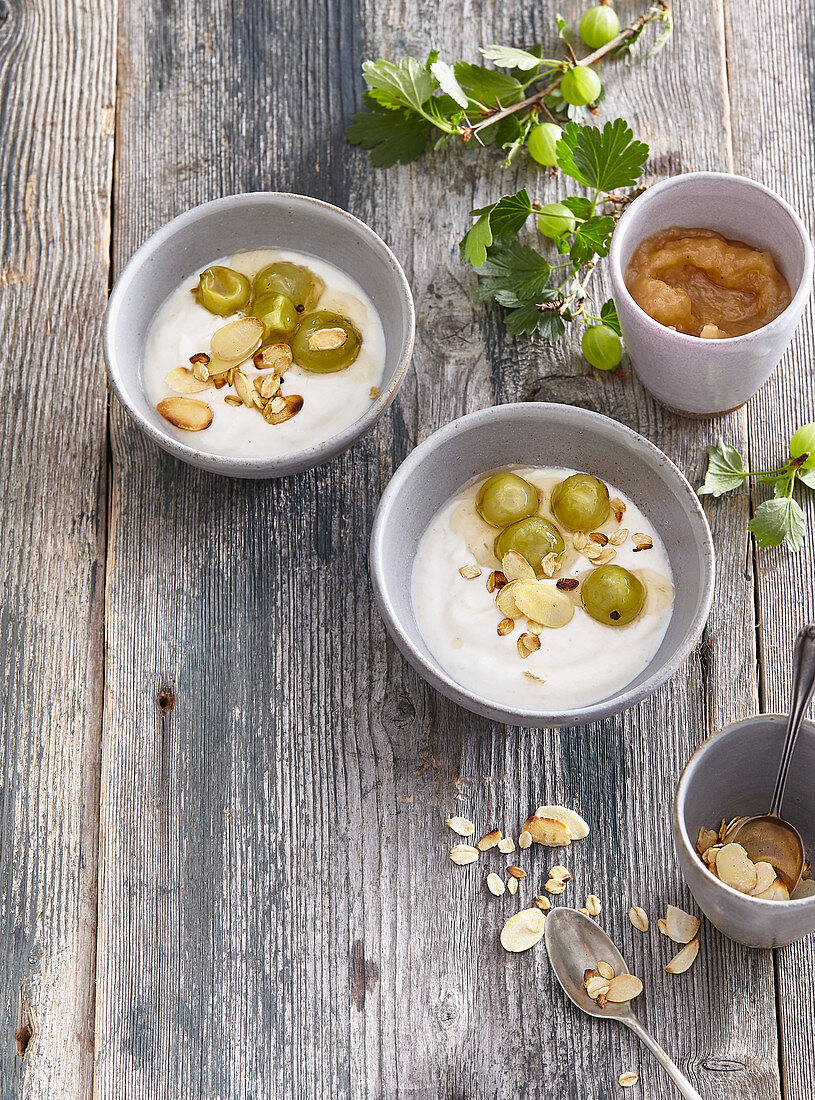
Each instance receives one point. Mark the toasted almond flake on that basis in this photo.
(233, 400)
(606, 969)
(542, 902)
(528, 643)
(327, 339)
(244, 389)
(627, 1080)
(516, 872)
(706, 839)
(642, 542)
(592, 551)
(269, 386)
(597, 986)
(496, 579)
(776, 892)
(682, 926)
(462, 854)
(470, 572)
(523, 930)
(515, 567)
(549, 831)
(684, 958)
(512, 885)
(594, 905)
(533, 627)
(543, 603)
(292, 404)
(550, 564)
(200, 372)
(506, 626)
(765, 877)
(622, 988)
(218, 368)
(710, 855)
(505, 600)
(638, 917)
(186, 413)
(461, 825)
(554, 886)
(618, 508)
(731, 827)
(506, 845)
(607, 554)
(237, 340)
(560, 872)
(495, 884)
(532, 676)
(735, 868)
(200, 359)
(274, 357)
(619, 537)
(583, 910)
(525, 839)
(599, 538)
(580, 541)
(722, 830)
(184, 381)
(662, 925)
(578, 829)
(567, 584)
(489, 840)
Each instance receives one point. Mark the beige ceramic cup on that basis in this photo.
(707, 377)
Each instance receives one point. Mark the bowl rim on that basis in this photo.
(689, 848)
(654, 328)
(433, 672)
(299, 460)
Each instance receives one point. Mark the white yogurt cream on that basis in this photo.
(182, 327)
(578, 664)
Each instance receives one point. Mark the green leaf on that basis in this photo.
(477, 240)
(448, 83)
(408, 84)
(390, 136)
(664, 35)
(512, 266)
(608, 315)
(488, 87)
(563, 29)
(779, 520)
(502, 219)
(506, 57)
(602, 159)
(808, 478)
(591, 238)
(514, 146)
(725, 470)
(580, 207)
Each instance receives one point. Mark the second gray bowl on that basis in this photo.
(541, 434)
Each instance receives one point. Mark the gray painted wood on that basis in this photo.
(56, 143)
(774, 137)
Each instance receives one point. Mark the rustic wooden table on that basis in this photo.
(222, 791)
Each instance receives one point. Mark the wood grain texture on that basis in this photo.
(277, 915)
(56, 142)
(774, 137)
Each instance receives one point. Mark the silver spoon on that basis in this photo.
(576, 944)
(767, 836)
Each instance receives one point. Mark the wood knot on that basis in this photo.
(448, 1012)
(364, 974)
(165, 700)
(23, 1035)
(397, 709)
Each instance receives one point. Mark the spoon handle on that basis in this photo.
(803, 685)
(670, 1067)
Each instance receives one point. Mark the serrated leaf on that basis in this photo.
(779, 520)
(507, 57)
(591, 238)
(580, 207)
(602, 159)
(409, 84)
(725, 470)
(515, 267)
(391, 135)
(488, 87)
(503, 218)
(608, 315)
(448, 82)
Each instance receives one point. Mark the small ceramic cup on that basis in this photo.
(273, 219)
(732, 774)
(698, 377)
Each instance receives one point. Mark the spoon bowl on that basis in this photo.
(773, 840)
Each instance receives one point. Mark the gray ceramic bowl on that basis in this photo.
(733, 774)
(266, 218)
(708, 377)
(552, 435)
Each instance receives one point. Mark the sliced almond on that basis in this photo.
(327, 339)
(599, 537)
(528, 643)
(525, 839)
(506, 845)
(516, 872)
(544, 603)
(495, 884)
(515, 567)
(292, 404)
(542, 902)
(274, 357)
(617, 507)
(495, 580)
(560, 872)
(606, 970)
(623, 988)
(512, 885)
(627, 1080)
(662, 925)
(506, 626)
(269, 386)
(777, 891)
(505, 601)
(237, 339)
(554, 886)
(523, 930)
(705, 840)
(233, 400)
(765, 877)
(186, 413)
(550, 564)
(184, 381)
(597, 986)
(638, 917)
(462, 854)
(594, 905)
(218, 368)
(461, 825)
(607, 554)
(735, 868)
(571, 819)
(470, 572)
(684, 958)
(710, 855)
(580, 541)
(244, 389)
(681, 926)
(583, 910)
(619, 537)
(489, 840)
(642, 542)
(549, 831)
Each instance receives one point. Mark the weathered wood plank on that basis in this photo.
(773, 133)
(57, 83)
(277, 914)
